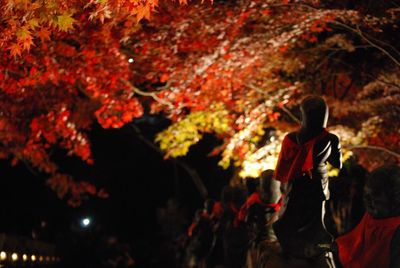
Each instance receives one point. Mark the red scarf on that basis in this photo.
(296, 159)
(254, 198)
(368, 245)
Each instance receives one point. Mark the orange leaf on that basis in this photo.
(44, 34)
(15, 50)
(266, 12)
(22, 34)
(283, 48)
(143, 12)
(164, 78)
(27, 43)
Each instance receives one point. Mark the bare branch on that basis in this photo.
(373, 147)
(286, 110)
(198, 182)
(363, 36)
(147, 94)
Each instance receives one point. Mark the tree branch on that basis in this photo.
(291, 115)
(147, 94)
(364, 37)
(373, 147)
(198, 182)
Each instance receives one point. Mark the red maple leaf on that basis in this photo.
(44, 34)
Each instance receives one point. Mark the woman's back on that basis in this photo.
(326, 149)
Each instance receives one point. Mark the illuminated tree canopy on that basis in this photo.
(229, 68)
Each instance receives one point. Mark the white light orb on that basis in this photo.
(14, 257)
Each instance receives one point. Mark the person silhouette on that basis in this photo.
(375, 241)
(257, 211)
(302, 173)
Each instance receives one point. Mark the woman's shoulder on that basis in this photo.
(333, 137)
(291, 135)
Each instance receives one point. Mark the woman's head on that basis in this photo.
(314, 112)
(382, 192)
(266, 178)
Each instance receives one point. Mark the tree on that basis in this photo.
(248, 64)
(234, 69)
(60, 70)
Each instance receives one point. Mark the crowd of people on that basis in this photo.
(279, 220)
(222, 231)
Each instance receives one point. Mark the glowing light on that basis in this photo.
(40, 258)
(130, 60)
(85, 222)
(262, 159)
(14, 257)
(3, 255)
(33, 258)
(47, 258)
(24, 257)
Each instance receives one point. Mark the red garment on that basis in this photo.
(368, 245)
(191, 229)
(295, 159)
(235, 210)
(204, 214)
(254, 198)
(217, 210)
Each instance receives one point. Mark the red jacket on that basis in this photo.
(368, 245)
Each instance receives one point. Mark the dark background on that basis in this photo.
(138, 180)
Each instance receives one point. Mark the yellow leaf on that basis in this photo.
(65, 22)
(22, 34)
(33, 23)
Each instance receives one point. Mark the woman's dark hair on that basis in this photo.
(314, 111)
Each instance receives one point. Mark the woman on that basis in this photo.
(302, 173)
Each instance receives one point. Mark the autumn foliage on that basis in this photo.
(231, 68)
(61, 68)
(255, 60)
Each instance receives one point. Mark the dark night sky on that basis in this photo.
(137, 178)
